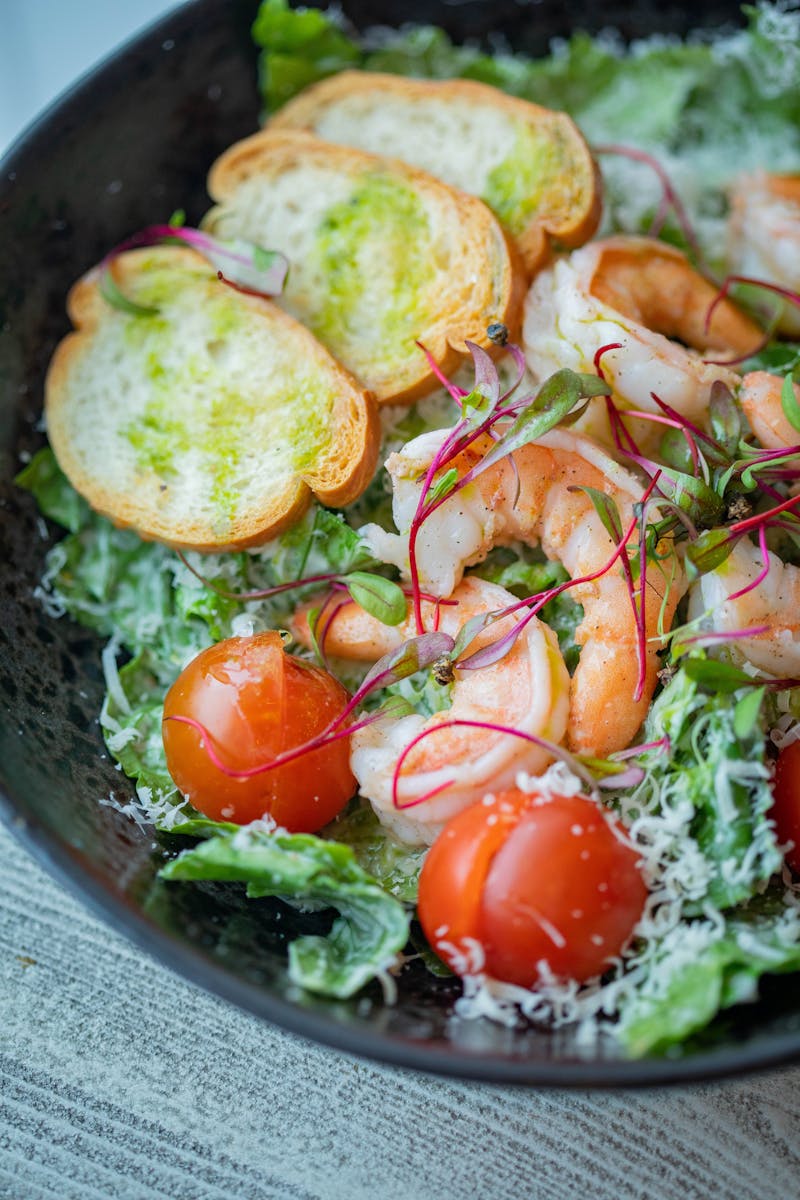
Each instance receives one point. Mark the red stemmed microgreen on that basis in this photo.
(594, 773)
(414, 655)
(670, 198)
(380, 597)
(242, 265)
(514, 422)
(748, 281)
(457, 393)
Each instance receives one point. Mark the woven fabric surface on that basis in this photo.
(120, 1081)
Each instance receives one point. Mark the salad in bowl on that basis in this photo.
(437, 498)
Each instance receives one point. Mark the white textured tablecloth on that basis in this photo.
(119, 1081)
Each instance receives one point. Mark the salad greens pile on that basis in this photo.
(723, 917)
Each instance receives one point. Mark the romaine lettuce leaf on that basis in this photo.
(144, 595)
(702, 967)
(365, 939)
(714, 788)
(395, 865)
(54, 494)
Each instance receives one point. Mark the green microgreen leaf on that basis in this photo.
(443, 486)
(414, 655)
(725, 418)
(789, 403)
(747, 712)
(470, 630)
(606, 508)
(708, 551)
(112, 295)
(694, 496)
(381, 598)
(716, 676)
(557, 397)
(674, 451)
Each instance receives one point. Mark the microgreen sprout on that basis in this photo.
(242, 265)
(594, 773)
(417, 654)
(669, 197)
(749, 281)
(508, 421)
(380, 597)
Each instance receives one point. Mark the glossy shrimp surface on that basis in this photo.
(645, 298)
(764, 235)
(760, 398)
(455, 765)
(535, 496)
(774, 602)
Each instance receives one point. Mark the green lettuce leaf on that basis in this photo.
(53, 492)
(702, 967)
(365, 939)
(716, 780)
(300, 46)
(131, 723)
(395, 865)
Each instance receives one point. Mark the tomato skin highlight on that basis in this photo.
(545, 881)
(786, 805)
(257, 702)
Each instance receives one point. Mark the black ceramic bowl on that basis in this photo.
(130, 144)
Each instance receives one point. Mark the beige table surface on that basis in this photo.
(120, 1081)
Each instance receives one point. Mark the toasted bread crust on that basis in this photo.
(494, 267)
(135, 497)
(568, 224)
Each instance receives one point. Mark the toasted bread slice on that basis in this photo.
(529, 164)
(209, 423)
(381, 255)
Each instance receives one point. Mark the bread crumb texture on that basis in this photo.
(201, 421)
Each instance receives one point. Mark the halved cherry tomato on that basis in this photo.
(531, 880)
(786, 807)
(256, 702)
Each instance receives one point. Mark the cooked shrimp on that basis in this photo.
(764, 235)
(774, 602)
(644, 295)
(760, 398)
(527, 690)
(532, 500)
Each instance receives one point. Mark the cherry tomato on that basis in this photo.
(786, 807)
(531, 880)
(256, 702)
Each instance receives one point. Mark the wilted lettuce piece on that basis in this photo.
(365, 939)
(779, 358)
(141, 592)
(53, 492)
(715, 781)
(300, 47)
(131, 723)
(395, 865)
(702, 967)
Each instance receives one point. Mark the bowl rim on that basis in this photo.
(190, 963)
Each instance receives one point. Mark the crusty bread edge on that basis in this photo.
(84, 308)
(232, 168)
(534, 242)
